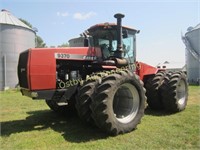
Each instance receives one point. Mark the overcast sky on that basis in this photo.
(160, 22)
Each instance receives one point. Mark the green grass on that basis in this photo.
(29, 124)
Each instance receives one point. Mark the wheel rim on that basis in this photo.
(181, 92)
(126, 103)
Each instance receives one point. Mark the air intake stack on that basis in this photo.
(119, 17)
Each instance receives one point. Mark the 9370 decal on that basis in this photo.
(74, 56)
(62, 56)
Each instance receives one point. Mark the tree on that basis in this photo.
(26, 22)
(64, 45)
(39, 41)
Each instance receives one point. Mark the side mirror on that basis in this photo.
(124, 34)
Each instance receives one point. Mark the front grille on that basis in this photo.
(22, 69)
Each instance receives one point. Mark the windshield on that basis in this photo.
(107, 41)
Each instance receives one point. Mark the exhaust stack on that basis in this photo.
(119, 35)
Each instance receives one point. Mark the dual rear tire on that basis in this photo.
(168, 91)
(119, 103)
(175, 92)
(116, 105)
(153, 93)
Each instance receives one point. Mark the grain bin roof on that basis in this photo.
(7, 18)
(193, 28)
(197, 26)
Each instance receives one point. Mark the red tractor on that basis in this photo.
(100, 77)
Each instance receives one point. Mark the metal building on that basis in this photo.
(172, 66)
(15, 37)
(192, 43)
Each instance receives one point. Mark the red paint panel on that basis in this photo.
(143, 70)
(42, 65)
(42, 70)
(76, 50)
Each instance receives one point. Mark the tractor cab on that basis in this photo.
(105, 37)
(115, 42)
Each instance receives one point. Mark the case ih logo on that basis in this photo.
(89, 57)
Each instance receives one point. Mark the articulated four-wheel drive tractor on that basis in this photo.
(100, 77)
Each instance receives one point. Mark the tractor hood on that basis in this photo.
(37, 66)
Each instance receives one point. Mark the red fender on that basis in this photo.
(143, 70)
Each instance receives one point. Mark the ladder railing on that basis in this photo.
(190, 49)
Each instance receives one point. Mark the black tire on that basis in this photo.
(153, 93)
(175, 92)
(84, 100)
(119, 103)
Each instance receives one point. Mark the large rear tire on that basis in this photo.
(119, 103)
(153, 91)
(84, 100)
(175, 92)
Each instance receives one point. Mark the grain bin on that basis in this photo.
(15, 37)
(192, 42)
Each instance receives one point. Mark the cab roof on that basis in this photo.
(108, 26)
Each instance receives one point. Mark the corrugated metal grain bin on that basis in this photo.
(15, 37)
(192, 42)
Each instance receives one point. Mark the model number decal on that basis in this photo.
(74, 56)
(62, 56)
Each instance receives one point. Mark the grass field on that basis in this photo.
(28, 124)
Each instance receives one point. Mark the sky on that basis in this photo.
(161, 22)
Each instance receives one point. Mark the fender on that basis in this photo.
(144, 70)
